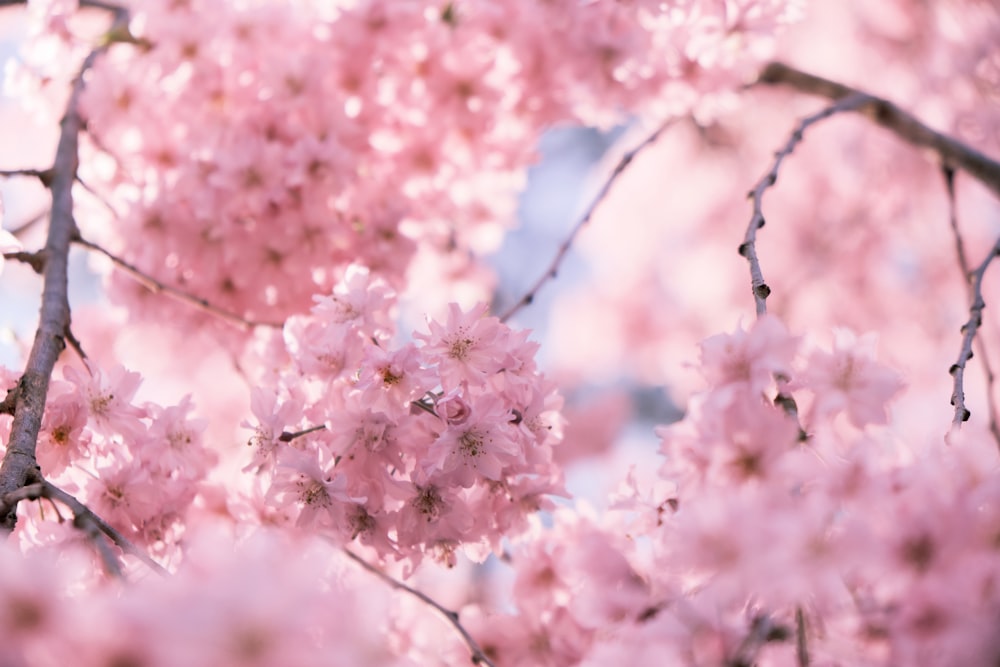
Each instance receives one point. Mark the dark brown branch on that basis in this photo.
(288, 437)
(478, 657)
(157, 287)
(43, 175)
(36, 260)
(963, 263)
(748, 248)
(907, 127)
(553, 269)
(19, 462)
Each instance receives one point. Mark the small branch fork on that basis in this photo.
(748, 248)
(478, 657)
(84, 519)
(553, 270)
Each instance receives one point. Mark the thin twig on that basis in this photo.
(157, 287)
(553, 269)
(98, 196)
(969, 329)
(43, 175)
(36, 260)
(74, 343)
(904, 125)
(748, 248)
(478, 657)
(288, 437)
(801, 647)
(963, 263)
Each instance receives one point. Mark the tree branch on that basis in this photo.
(287, 436)
(83, 519)
(155, 286)
(19, 460)
(43, 175)
(564, 247)
(952, 153)
(83, 516)
(478, 657)
(36, 260)
(969, 329)
(963, 263)
(748, 248)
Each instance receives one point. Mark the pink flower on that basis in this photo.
(272, 420)
(360, 299)
(394, 378)
(125, 495)
(752, 357)
(174, 442)
(63, 439)
(849, 379)
(468, 347)
(108, 398)
(453, 409)
(480, 447)
(318, 492)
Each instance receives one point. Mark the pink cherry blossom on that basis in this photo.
(478, 448)
(753, 357)
(468, 345)
(849, 379)
(108, 398)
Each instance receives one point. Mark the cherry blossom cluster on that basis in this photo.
(430, 446)
(304, 136)
(306, 608)
(138, 465)
(768, 521)
(256, 153)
